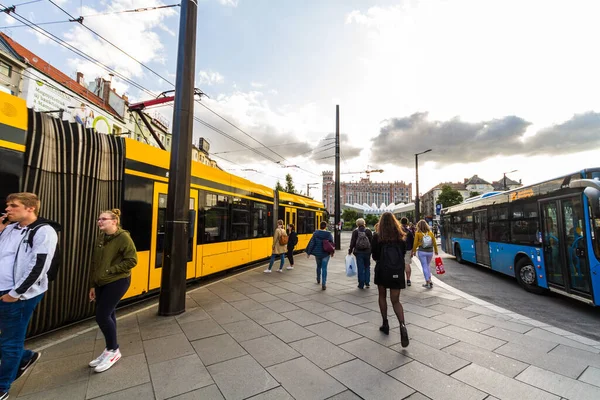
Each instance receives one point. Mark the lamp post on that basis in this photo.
(417, 205)
(504, 178)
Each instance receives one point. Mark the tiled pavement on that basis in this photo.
(279, 336)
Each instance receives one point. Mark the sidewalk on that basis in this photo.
(279, 336)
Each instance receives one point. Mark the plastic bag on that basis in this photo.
(350, 265)
(439, 266)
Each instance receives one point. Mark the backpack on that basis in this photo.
(363, 243)
(56, 259)
(391, 264)
(283, 239)
(427, 242)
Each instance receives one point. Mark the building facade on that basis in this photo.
(376, 195)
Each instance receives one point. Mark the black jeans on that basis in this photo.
(107, 298)
(290, 256)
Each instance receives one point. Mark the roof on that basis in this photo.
(475, 180)
(453, 185)
(56, 75)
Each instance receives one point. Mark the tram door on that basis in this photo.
(291, 217)
(564, 244)
(480, 234)
(157, 245)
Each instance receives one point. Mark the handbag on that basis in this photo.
(439, 266)
(328, 247)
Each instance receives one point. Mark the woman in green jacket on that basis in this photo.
(110, 276)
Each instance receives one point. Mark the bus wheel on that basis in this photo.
(526, 276)
(458, 254)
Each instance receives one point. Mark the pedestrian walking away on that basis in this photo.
(27, 247)
(291, 244)
(110, 276)
(388, 249)
(360, 245)
(279, 247)
(410, 238)
(321, 246)
(424, 246)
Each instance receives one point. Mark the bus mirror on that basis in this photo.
(592, 192)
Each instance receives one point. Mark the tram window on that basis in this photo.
(260, 222)
(301, 228)
(216, 218)
(240, 219)
(310, 221)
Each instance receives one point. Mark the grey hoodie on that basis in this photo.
(32, 261)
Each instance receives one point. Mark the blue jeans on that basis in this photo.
(14, 319)
(282, 255)
(363, 265)
(322, 269)
(425, 258)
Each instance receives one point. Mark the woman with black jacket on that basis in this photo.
(292, 242)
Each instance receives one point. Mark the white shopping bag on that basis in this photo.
(350, 265)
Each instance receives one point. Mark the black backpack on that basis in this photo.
(391, 263)
(56, 259)
(362, 241)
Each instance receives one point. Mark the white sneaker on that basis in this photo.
(279, 270)
(289, 267)
(111, 358)
(98, 361)
(267, 271)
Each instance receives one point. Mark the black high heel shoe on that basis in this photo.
(385, 328)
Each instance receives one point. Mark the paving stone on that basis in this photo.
(375, 318)
(245, 330)
(354, 299)
(462, 322)
(167, 348)
(303, 317)
(211, 392)
(288, 331)
(371, 331)
(278, 393)
(562, 365)
(512, 326)
(444, 308)
(559, 384)
(249, 290)
(375, 354)
(276, 290)
(499, 385)
(304, 380)
(314, 307)
(80, 344)
(425, 336)
(129, 345)
(476, 308)
(265, 316)
(485, 358)
(292, 297)
(342, 318)
(74, 391)
(438, 359)
(584, 340)
(241, 378)
(434, 384)
(247, 305)
(195, 330)
(269, 350)
(419, 310)
(217, 349)
(59, 372)
(159, 328)
(347, 395)
(262, 297)
(591, 375)
(520, 339)
(324, 297)
(471, 337)
(181, 375)
(194, 314)
(220, 287)
(128, 372)
(419, 396)
(321, 352)
(233, 296)
(349, 308)
(424, 322)
(227, 314)
(280, 306)
(333, 332)
(592, 359)
(552, 337)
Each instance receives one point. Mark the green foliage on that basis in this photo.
(349, 216)
(279, 188)
(473, 194)
(449, 197)
(371, 219)
(289, 184)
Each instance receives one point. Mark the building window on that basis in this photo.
(5, 69)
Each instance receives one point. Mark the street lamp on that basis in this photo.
(504, 179)
(417, 205)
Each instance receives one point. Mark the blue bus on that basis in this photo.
(546, 235)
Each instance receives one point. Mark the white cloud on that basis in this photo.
(229, 3)
(257, 85)
(209, 78)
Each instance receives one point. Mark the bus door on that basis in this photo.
(480, 233)
(564, 244)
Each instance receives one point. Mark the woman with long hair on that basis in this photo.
(388, 249)
(425, 244)
(110, 276)
(292, 242)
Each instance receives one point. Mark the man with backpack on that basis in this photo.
(360, 245)
(27, 247)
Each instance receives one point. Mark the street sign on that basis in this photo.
(438, 209)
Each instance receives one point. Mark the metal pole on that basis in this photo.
(172, 288)
(417, 205)
(338, 207)
(505, 181)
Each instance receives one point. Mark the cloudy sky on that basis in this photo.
(490, 86)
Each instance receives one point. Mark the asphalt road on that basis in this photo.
(504, 291)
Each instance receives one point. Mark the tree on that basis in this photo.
(289, 184)
(371, 219)
(279, 188)
(349, 216)
(449, 197)
(473, 194)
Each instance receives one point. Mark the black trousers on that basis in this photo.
(107, 298)
(290, 256)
